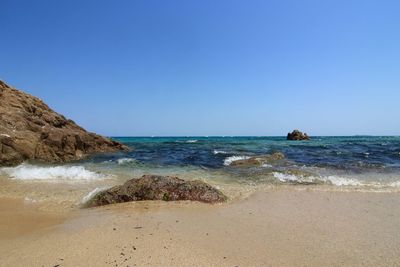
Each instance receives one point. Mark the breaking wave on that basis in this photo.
(32, 172)
(334, 180)
(231, 159)
(395, 184)
(123, 161)
(216, 152)
(186, 141)
(92, 193)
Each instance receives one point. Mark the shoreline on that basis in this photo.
(64, 196)
(277, 227)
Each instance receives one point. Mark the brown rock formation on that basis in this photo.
(297, 135)
(30, 130)
(154, 187)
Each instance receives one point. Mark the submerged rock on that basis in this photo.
(258, 160)
(154, 187)
(297, 135)
(30, 130)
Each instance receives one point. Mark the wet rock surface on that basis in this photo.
(154, 187)
(297, 135)
(30, 130)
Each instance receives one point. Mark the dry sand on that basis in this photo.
(280, 227)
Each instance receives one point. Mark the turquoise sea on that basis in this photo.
(341, 161)
(335, 163)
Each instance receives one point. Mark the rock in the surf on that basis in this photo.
(30, 130)
(258, 160)
(297, 135)
(154, 187)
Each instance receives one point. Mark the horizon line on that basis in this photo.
(206, 136)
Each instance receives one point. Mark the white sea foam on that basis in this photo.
(286, 177)
(340, 181)
(6, 135)
(265, 165)
(122, 161)
(219, 152)
(231, 159)
(93, 193)
(32, 172)
(187, 141)
(29, 200)
(335, 180)
(395, 184)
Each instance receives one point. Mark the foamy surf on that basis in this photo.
(334, 180)
(340, 181)
(395, 184)
(231, 159)
(32, 172)
(216, 152)
(123, 161)
(187, 141)
(29, 200)
(92, 193)
(285, 177)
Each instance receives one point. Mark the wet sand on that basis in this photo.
(278, 227)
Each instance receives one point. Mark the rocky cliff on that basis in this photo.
(30, 130)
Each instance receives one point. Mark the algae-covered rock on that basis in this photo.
(154, 187)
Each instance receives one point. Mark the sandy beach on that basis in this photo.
(199, 133)
(278, 227)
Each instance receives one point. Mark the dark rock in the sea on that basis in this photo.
(297, 135)
(258, 160)
(30, 130)
(154, 187)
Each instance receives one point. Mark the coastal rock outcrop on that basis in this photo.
(258, 160)
(154, 187)
(30, 130)
(297, 135)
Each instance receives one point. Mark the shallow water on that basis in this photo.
(351, 163)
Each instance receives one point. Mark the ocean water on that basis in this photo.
(341, 161)
(357, 162)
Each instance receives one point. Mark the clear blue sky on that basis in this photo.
(209, 67)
